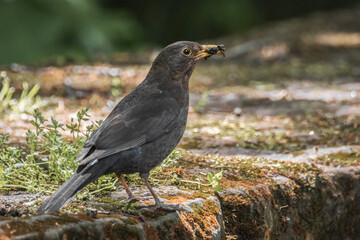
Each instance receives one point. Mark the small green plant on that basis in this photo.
(75, 127)
(28, 100)
(47, 159)
(214, 180)
(6, 92)
(26, 103)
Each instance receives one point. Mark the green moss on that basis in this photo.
(113, 230)
(339, 159)
(286, 134)
(203, 220)
(250, 169)
(40, 226)
(209, 208)
(298, 153)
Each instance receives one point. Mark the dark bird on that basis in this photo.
(143, 128)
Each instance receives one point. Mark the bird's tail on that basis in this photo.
(72, 186)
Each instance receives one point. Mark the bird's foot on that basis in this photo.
(137, 198)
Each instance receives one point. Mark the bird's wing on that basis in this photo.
(138, 124)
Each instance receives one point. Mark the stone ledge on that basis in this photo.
(307, 205)
(325, 206)
(201, 219)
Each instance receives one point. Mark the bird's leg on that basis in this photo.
(144, 177)
(159, 203)
(128, 191)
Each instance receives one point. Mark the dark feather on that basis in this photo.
(130, 129)
(73, 185)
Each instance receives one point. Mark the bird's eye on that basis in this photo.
(186, 51)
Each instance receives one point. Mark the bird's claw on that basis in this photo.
(136, 198)
(131, 199)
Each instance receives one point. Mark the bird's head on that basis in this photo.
(181, 57)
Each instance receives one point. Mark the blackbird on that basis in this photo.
(143, 128)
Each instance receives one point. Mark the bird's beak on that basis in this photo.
(209, 50)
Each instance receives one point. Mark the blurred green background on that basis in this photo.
(58, 31)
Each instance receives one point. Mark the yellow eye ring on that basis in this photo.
(186, 51)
